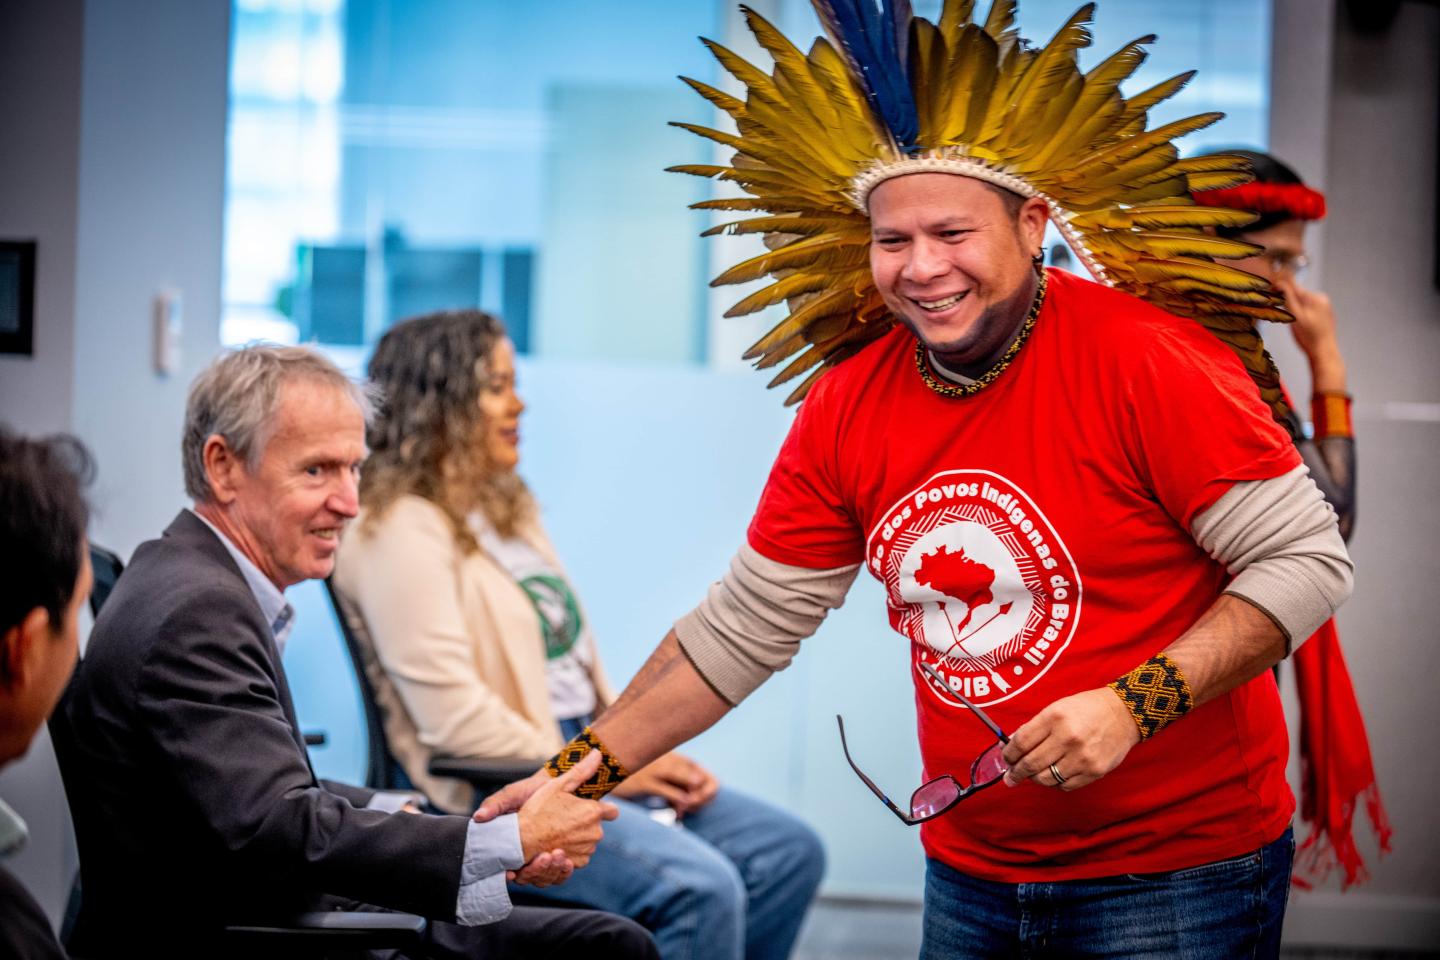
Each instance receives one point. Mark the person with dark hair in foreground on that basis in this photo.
(1336, 771)
(45, 573)
(194, 802)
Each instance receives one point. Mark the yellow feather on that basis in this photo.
(1026, 132)
(1051, 70)
(1000, 25)
(1102, 85)
(968, 84)
(799, 393)
(927, 55)
(1147, 167)
(1011, 67)
(804, 226)
(1154, 270)
(1162, 217)
(791, 69)
(1098, 163)
(1218, 180)
(719, 98)
(756, 81)
(1164, 90)
(826, 252)
(729, 203)
(697, 169)
(1159, 244)
(801, 281)
(836, 349)
(954, 15)
(829, 70)
(791, 335)
(1189, 285)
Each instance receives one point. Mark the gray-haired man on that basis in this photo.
(194, 801)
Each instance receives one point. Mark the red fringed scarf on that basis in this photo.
(1335, 766)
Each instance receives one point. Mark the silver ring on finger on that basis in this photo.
(1055, 772)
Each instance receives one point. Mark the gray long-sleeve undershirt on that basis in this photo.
(1277, 537)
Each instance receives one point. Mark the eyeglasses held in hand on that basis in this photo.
(936, 796)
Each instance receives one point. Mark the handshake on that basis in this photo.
(558, 830)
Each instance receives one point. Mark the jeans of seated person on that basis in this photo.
(1216, 911)
(732, 880)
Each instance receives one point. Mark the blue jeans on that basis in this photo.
(734, 881)
(1217, 911)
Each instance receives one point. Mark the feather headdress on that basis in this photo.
(889, 94)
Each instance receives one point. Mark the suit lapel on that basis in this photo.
(190, 529)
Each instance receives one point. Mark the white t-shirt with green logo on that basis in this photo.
(569, 647)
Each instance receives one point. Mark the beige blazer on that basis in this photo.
(453, 646)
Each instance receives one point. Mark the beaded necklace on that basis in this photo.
(946, 389)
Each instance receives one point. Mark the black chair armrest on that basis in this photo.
(331, 929)
(484, 774)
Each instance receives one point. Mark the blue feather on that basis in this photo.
(874, 40)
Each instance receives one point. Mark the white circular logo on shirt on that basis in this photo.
(976, 576)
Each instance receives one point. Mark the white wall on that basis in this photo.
(151, 189)
(112, 126)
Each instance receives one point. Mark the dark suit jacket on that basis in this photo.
(25, 932)
(187, 775)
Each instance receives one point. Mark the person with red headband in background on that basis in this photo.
(1336, 768)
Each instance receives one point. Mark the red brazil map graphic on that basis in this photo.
(959, 578)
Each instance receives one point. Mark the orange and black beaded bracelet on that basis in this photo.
(605, 779)
(1156, 694)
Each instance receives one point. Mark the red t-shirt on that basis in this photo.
(1033, 541)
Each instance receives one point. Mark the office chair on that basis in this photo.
(106, 567)
(304, 936)
(382, 771)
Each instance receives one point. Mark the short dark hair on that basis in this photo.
(1012, 200)
(43, 516)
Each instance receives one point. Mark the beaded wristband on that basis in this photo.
(605, 779)
(1330, 412)
(1155, 693)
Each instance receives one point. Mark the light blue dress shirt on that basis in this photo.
(490, 848)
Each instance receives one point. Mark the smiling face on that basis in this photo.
(287, 515)
(953, 263)
(500, 408)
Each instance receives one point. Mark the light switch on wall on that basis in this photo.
(168, 318)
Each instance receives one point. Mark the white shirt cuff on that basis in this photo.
(490, 849)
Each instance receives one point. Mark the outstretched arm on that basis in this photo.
(666, 704)
(749, 626)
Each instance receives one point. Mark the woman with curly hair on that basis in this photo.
(480, 648)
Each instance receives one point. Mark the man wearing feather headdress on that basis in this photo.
(1088, 520)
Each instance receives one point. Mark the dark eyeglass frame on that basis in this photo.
(960, 792)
